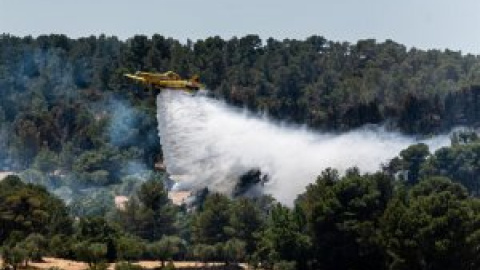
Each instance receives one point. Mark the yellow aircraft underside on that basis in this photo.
(165, 80)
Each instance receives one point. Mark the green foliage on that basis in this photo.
(92, 253)
(35, 246)
(342, 219)
(204, 252)
(100, 167)
(234, 250)
(31, 248)
(169, 266)
(413, 157)
(353, 221)
(152, 215)
(56, 107)
(166, 248)
(129, 248)
(28, 208)
(282, 238)
(55, 89)
(14, 256)
(210, 225)
(435, 227)
(128, 186)
(45, 161)
(245, 222)
(152, 194)
(459, 163)
(463, 137)
(93, 203)
(61, 246)
(96, 230)
(224, 229)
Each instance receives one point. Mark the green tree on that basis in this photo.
(342, 218)
(14, 256)
(434, 227)
(97, 230)
(458, 162)
(157, 211)
(129, 248)
(94, 254)
(464, 137)
(166, 248)
(245, 222)
(234, 250)
(35, 246)
(210, 224)
(98, 202)
(61, 246)
(282, 239)
(412, 159)
(46, 161)
(204, 252)
(28, 208)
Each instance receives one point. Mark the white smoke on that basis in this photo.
(206, 143)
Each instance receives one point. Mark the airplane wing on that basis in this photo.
(135, 78)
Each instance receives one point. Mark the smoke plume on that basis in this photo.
(206, 143)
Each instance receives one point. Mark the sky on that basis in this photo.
(425, 24)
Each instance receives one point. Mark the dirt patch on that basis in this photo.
(179, 197)
(61, 263)
(121, 202)
(75, 265)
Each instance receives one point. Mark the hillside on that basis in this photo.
(64, 98)
(72, 127)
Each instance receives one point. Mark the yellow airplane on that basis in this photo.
(167, 80)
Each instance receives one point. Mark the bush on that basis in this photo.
(169, 266)
(61, 246)
(92, 253)
(129, 248)
(13, 256)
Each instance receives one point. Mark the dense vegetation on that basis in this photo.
(70, 121)
(60, 95)
(415, 219)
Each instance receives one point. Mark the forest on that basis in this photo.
(354, 221)
(77, 133)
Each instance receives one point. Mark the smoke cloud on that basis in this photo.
(206, 143)
(123, 128)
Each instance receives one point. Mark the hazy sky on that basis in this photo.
(453, 24)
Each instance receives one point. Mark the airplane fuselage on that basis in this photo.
(165, 80)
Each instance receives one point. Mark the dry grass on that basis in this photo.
(61, 263)
(179, 197)
(75, 265)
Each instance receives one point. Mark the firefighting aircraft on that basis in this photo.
(167, 80)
